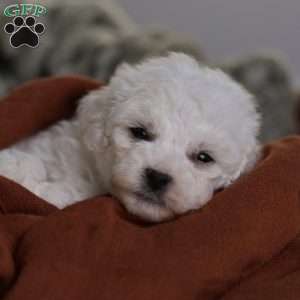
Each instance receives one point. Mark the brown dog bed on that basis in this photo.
(244, 244)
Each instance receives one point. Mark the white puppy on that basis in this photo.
(161, 137)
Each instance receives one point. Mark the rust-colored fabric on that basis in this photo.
(244, 244)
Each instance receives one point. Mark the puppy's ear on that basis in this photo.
(123, 81)
(252, 158)
(248, 163)
(95, 108)
(251, 149)
(92, 114)
(123, 70)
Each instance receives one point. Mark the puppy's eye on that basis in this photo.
(140, 133)
(204, 157)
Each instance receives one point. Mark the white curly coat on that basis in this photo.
(186, 107)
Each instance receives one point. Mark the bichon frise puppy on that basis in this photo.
(161, 137)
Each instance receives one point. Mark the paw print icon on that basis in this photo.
(24, 32)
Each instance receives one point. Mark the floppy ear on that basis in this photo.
(248, 162)
(92, 114)
(253, 157)
(125, 78)
(253, 151)
(94, 109)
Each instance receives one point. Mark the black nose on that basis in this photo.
(155, 180)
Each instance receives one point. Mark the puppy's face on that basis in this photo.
(172, 139)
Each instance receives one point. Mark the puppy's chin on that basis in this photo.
(145, 210)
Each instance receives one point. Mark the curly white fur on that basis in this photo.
(186, 107)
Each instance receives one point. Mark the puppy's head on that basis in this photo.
(167, 133)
